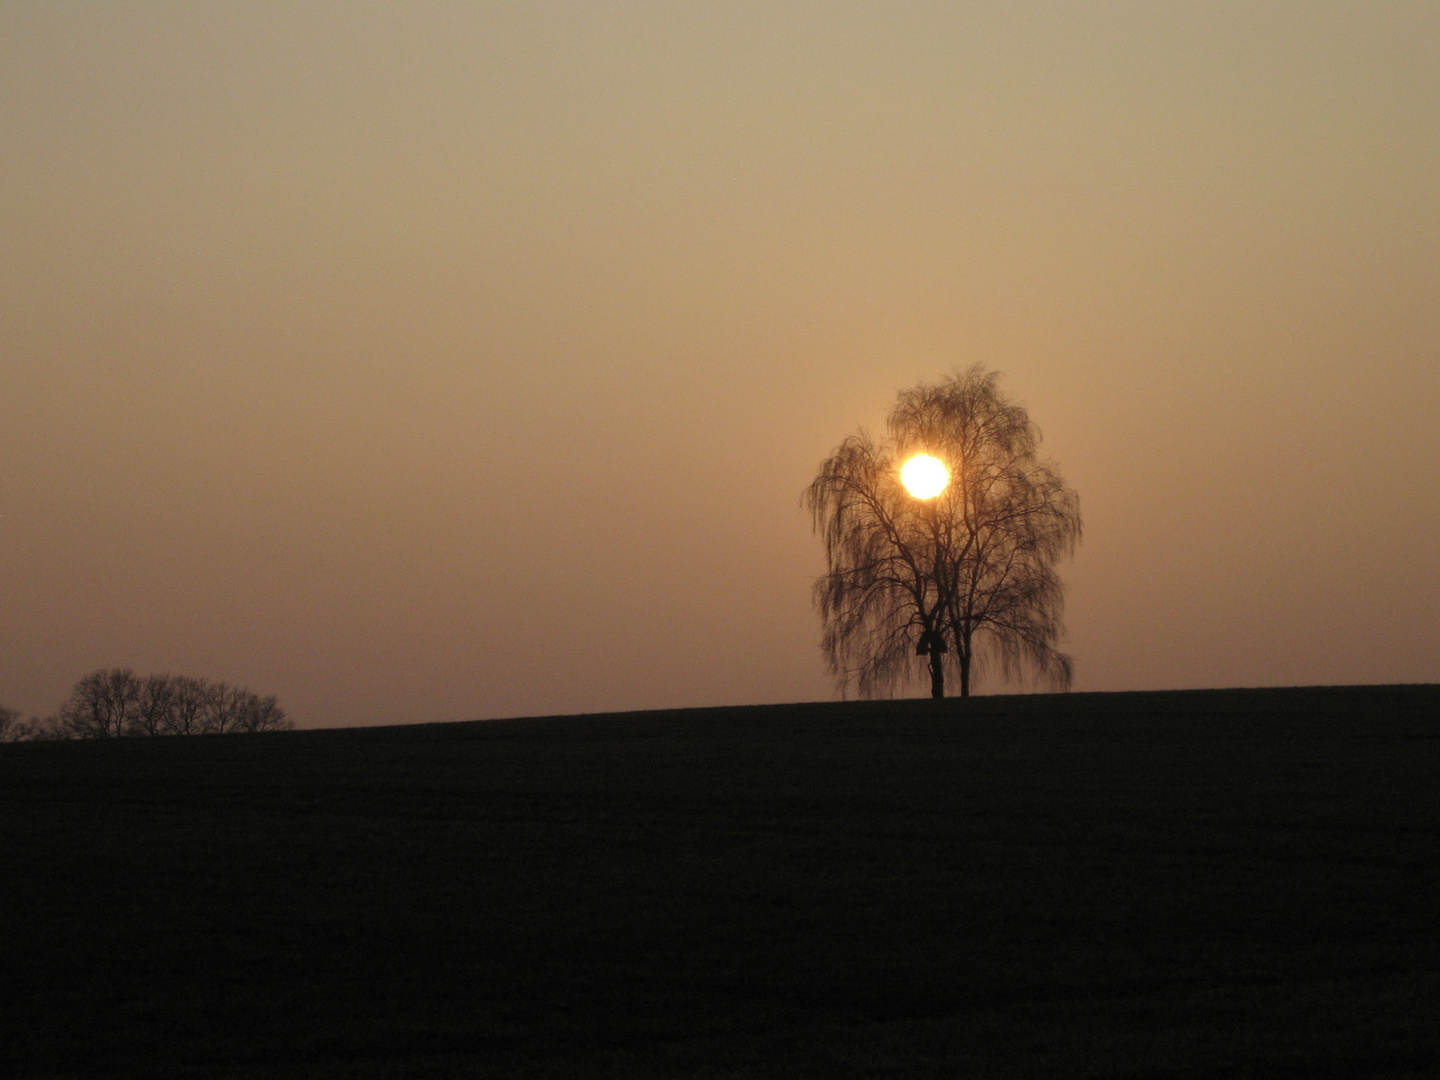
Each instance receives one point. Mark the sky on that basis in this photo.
(440, 361)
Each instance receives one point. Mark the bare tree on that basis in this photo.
(154, 705)
(36, 729)
(189, 706)
(221, 709)
(116, 702)
(47, 729)
(261, 714)
(957, 579)
(225, 709)
(105, 704)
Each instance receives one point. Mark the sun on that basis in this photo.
(925, 476)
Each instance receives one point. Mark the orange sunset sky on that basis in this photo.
(437, 361)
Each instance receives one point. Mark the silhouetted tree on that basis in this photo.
(963, 577)
(261, 714)
(44, 729)
(189, 706)
(154, 705)
(36, 729)
(116, 702)
(223, 709)
(103, 705)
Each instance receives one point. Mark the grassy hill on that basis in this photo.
(1220, 883)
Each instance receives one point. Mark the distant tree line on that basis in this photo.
(115, 702)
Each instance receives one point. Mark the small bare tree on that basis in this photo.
(104, 705)
(222, 714)
(189, 706)
(957, 579)
(225, 709)
(154, 706)
(261, 714)
(36, 729)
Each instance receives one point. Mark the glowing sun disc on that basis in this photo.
(925, 476)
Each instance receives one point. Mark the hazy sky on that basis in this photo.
(435, 361)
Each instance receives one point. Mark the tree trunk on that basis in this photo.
(962, 654)
(937, 673)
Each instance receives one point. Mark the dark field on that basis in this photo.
(1225, 883)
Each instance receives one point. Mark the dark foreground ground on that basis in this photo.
(1227, 883)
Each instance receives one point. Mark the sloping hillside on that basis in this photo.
(1237, 883)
